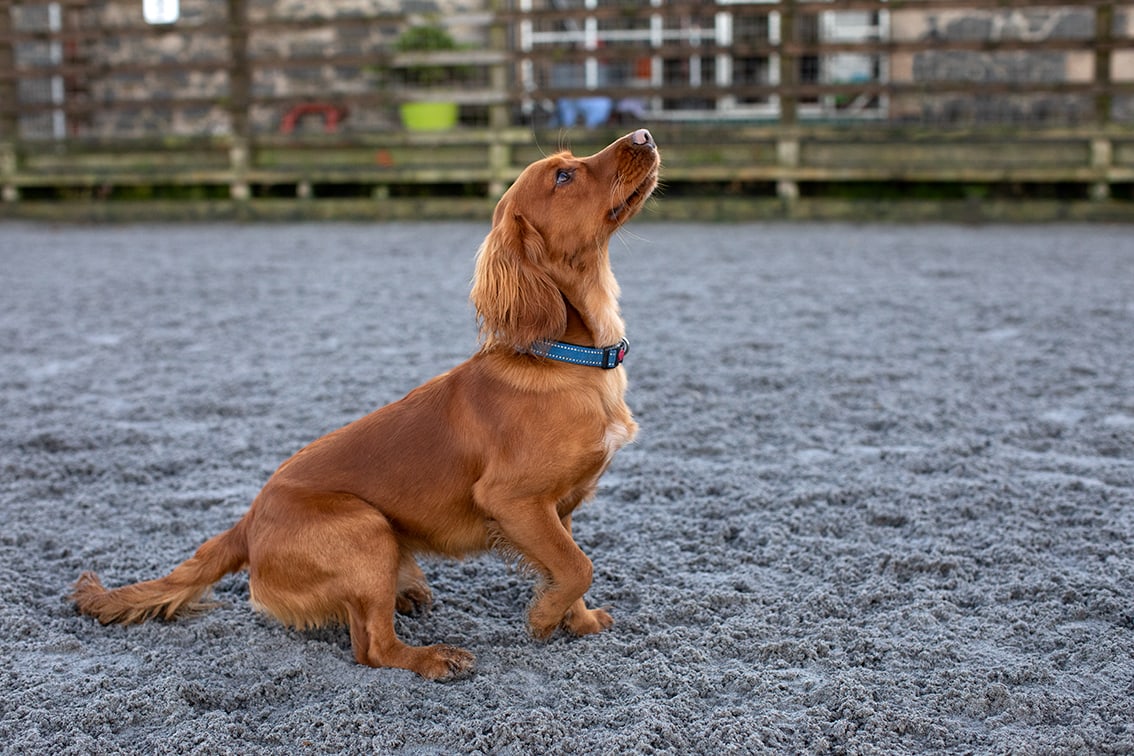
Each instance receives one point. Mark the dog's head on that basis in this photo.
(550, 233)
(566, 198)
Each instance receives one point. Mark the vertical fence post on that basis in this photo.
(499, 114)
(1102, 153)
(9, 114)
(789, 64)
(239, 87)
(787, 144)
(1102, 157)
(1104, 32)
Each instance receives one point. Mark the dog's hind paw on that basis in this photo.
(414, 600)
(443, 663)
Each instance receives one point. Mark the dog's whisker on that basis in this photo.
(624, 233)
(535, 139)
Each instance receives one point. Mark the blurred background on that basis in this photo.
(760, 107)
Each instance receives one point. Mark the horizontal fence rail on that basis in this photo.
(787, 99)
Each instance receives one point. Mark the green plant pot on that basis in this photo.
(429, 116)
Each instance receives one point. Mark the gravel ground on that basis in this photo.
(882, 500)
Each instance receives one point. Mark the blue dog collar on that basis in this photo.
(606, 358)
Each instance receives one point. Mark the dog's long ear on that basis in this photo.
(516, 301)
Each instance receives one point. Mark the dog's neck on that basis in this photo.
(577, 331)
(593, 315)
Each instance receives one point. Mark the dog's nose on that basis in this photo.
(642, 138)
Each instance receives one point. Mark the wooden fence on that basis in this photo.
(785, 101)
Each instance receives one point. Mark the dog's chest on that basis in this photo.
(617, 434)
(620, 428)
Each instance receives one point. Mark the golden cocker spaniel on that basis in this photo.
(495, 453)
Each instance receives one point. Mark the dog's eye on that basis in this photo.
(563, 176)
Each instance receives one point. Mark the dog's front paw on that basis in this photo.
(576, 621)
(588, 621)
(544, 619)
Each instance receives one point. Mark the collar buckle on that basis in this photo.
(612, 356)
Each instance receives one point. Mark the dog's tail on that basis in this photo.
(179, 592)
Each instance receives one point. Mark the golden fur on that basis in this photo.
(495, 453)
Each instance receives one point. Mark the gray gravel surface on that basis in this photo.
(882, 500)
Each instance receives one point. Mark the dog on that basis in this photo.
(493, 454)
